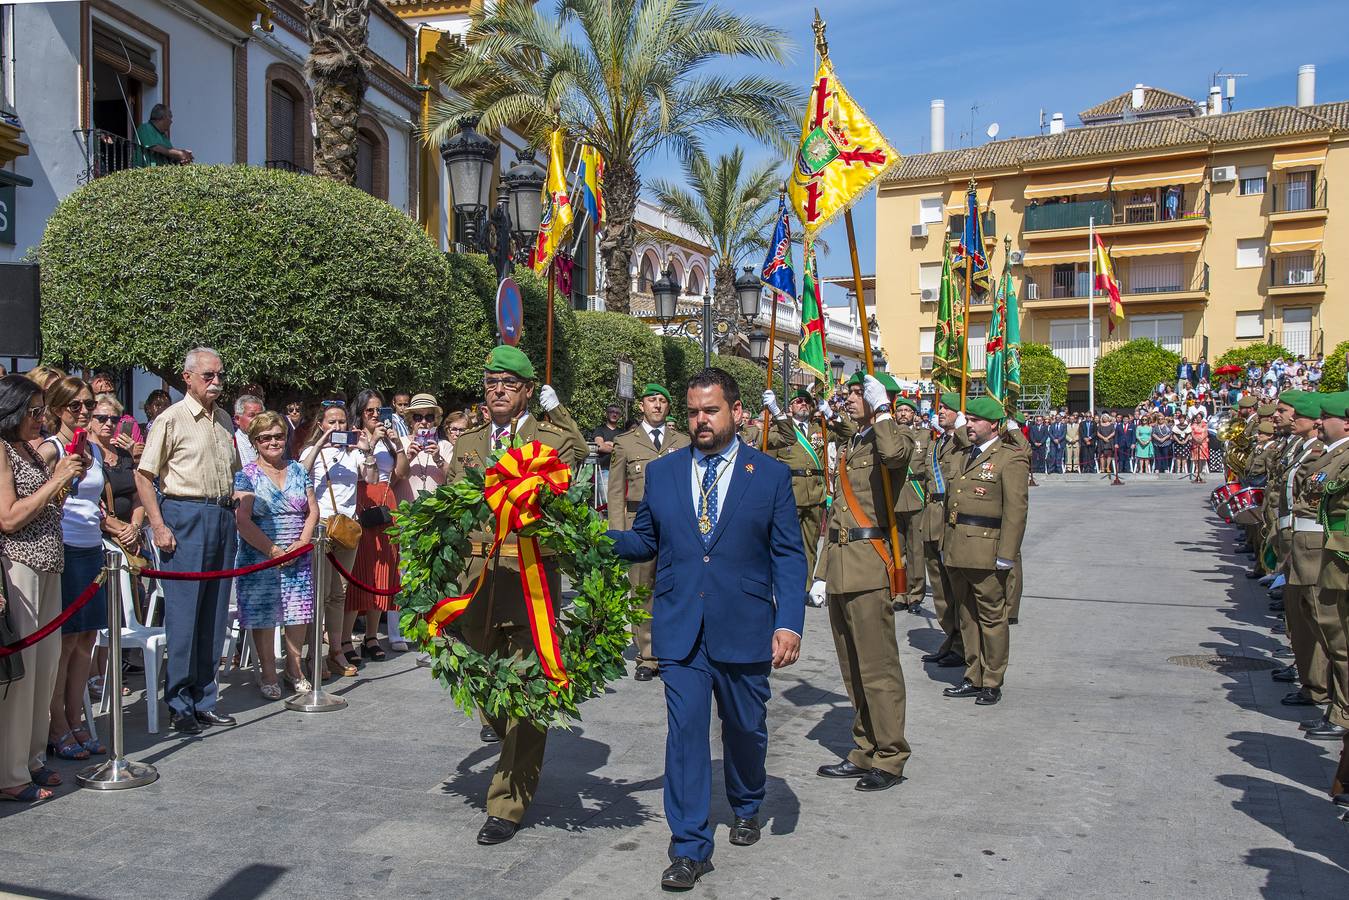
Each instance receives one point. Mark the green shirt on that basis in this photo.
(147, 136)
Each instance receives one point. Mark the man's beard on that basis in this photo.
(711, 439)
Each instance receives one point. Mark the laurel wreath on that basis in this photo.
(432, 534)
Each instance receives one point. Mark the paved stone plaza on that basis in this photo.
(1106, 771)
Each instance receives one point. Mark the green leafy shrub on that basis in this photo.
(601, 338)
(1332, 373)
(1039, 366)
(1127, 375)
(1263, 354)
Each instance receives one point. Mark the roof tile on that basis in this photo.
(1154, 100)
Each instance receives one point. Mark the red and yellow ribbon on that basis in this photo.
(511, 489)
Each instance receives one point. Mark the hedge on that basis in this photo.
(269, 267)
(1332, 372)
(1263, 354)
(1039, 366)
(1128, 375)
(601, 338)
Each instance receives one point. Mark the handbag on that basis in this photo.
(344, 531)
(11, 666)
(134, 560)
(376, 515)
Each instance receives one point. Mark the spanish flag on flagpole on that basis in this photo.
(555, 222)
(1106, 281)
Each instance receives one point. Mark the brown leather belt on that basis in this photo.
(846, 536)
(978, 521)
(509, 549)
(633, 505)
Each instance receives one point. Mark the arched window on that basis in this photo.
(372, 158)
(648, 273)
(289, 138)
(695, 282)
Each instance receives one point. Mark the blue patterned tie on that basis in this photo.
(707, 509)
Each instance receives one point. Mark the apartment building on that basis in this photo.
(1217, 223)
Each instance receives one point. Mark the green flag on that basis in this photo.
(948, 346)
(812, 319)
(996, 359)
(1011, 380)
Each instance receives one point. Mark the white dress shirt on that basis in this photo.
(726, 465)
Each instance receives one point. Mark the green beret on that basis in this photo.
(858, 377)
(1266, 409)
(653, 389)
(1335, 405)
(1289, 398)
(1307, 405)
(803, 394)
(985, 407)
(906, 401)
(1246, 402)
(512, 360)
(888, 382)
(950, 400)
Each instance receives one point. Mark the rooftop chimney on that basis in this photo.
(1215, 100)
(1306, 85)
(1056, 124)
(1138, 96)
(938, 126)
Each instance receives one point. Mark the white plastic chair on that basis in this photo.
(150, 641)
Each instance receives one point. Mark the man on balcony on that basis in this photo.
(153, 145)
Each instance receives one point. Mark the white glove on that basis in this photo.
(1004, 564)
(960, 420)
(1012, 426)
(816, 596)
(770, 402)
(873, 392)
(826, 410)
(548, 398)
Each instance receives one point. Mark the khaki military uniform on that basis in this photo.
(946, 452)
(633, 452)
(752, 434)
(808, 477)
(1294, 521)
(1315, 560)
(986, 506)
(504, 628)
(861, 607)
(910, 503)
(1333, 581)
(1015, 438)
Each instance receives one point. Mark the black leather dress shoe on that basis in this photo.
(1340, 799)
(1327, 732)
(916, 608)
(966, 688)
(951, 660)
(1286, 674)
(644, 673)
(843, 769)
(211, 717)
(496, 831)
(185, 724)
(1253, 573)
(1013, 620)
(683, 873)
(988, 696)
(1307, 724)
(745, 832)
(876, 780)
(1297, 698)
(1277, 606)
(934, 656)
(488, 736)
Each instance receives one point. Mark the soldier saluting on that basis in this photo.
(634, 450)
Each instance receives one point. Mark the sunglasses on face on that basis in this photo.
(271, 438)
(423, 417)
(105, 420)
(211, 376)
(510, 384)
(77, 405)
(332, 404)
(37, 412)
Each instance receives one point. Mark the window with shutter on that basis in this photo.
(365, 163)
(281, 128)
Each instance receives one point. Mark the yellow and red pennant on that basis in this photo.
(512, 490)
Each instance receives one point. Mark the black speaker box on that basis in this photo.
(20, 323)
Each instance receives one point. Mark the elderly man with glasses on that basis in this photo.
(191, 453)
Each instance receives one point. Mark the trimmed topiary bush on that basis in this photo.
(1263, 354)
(1039, 366)
(1332, 373)
(601, 338)
(1127, 375)
(300, 282)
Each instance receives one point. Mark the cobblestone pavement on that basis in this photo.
(1107, 770)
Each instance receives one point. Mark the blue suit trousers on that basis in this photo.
(742, 693)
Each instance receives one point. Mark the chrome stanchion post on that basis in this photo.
(117, 772)
(315, 700)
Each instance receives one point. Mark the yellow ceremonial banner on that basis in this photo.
(842, 153)
(555, 222)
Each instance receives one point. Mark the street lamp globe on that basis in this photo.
(468, 158)
(524, 183)
(666, 291)
(758, 345)
(836, 366)
(750, 292)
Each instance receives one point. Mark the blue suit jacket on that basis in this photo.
(727, 591)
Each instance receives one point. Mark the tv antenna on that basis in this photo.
(992, 131)
(1230, 85)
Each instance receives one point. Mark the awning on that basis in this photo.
(1148, 245)
(955, 198)
(1058, 253)
(1065, 184)
(1300, 157)
(1162, 173)
(124, 56)
(1292, 237)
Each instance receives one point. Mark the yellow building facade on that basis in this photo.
(1221, 229)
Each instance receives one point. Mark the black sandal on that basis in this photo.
(372, 650)
(350, 655)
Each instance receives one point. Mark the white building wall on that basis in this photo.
(389, 43)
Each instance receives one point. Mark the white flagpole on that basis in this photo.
(1091, 315)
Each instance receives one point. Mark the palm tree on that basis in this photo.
(730, 211)
(622, 75)
(339, 31)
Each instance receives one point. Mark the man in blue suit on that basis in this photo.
(1058, 433)
(720, 520)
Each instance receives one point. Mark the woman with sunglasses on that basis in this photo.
(376, 557)
(336, 469)
(70, 407)
(428, 454)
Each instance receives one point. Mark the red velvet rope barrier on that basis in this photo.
(378, 592)
(25, 642)
(229, 573)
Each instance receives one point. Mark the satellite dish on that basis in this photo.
(993, 130)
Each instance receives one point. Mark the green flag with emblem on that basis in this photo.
(812, 319)
(948, 346)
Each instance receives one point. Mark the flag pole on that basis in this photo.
(896, 548)
(1091, 315)
(548, 346)
(965, 318)
(772, 344)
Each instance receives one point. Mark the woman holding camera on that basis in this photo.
(376, 557)
(428, 454)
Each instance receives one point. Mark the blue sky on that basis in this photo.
(1058, 56)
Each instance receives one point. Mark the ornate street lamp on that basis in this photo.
(750, 293)
(468, 158)
(758, 345)
(524, 183)
(836, 366)
(666, 291)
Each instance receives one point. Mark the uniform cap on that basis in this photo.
(652, 389)
(512, 360)
(1246, 402)
(858, 377)
(803, 394)
(1307, 404)
(1266, 409)
(985, 408)
(888, 381)
(950, 400)
(1335, 405)
(906, 401)
(1289, 398)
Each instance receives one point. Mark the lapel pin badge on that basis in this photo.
(749, 468)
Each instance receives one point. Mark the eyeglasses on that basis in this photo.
(105, 419)
(333, 404)
(211, 376)
(423, 417)
(86, 405)
(510, 384)
(294, 408)
(270, 438)
(37, 412)
(456, 429)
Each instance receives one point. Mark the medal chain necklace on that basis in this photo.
(704, 521)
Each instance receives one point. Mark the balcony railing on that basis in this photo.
(1297, 270)
(1076, 352)
(1294, 193)
(286, 165)
(1134, 208)
(1138, 279)
(1304, 342)
(955, 225)
(105, 153)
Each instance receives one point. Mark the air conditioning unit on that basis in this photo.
(1016, 257)
(1032, 291)
(929, 295)
(918, 230)
(1222, 174)
(925, 362)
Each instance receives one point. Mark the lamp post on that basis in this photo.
(665, 291)
(507, 233)
(836, 366)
